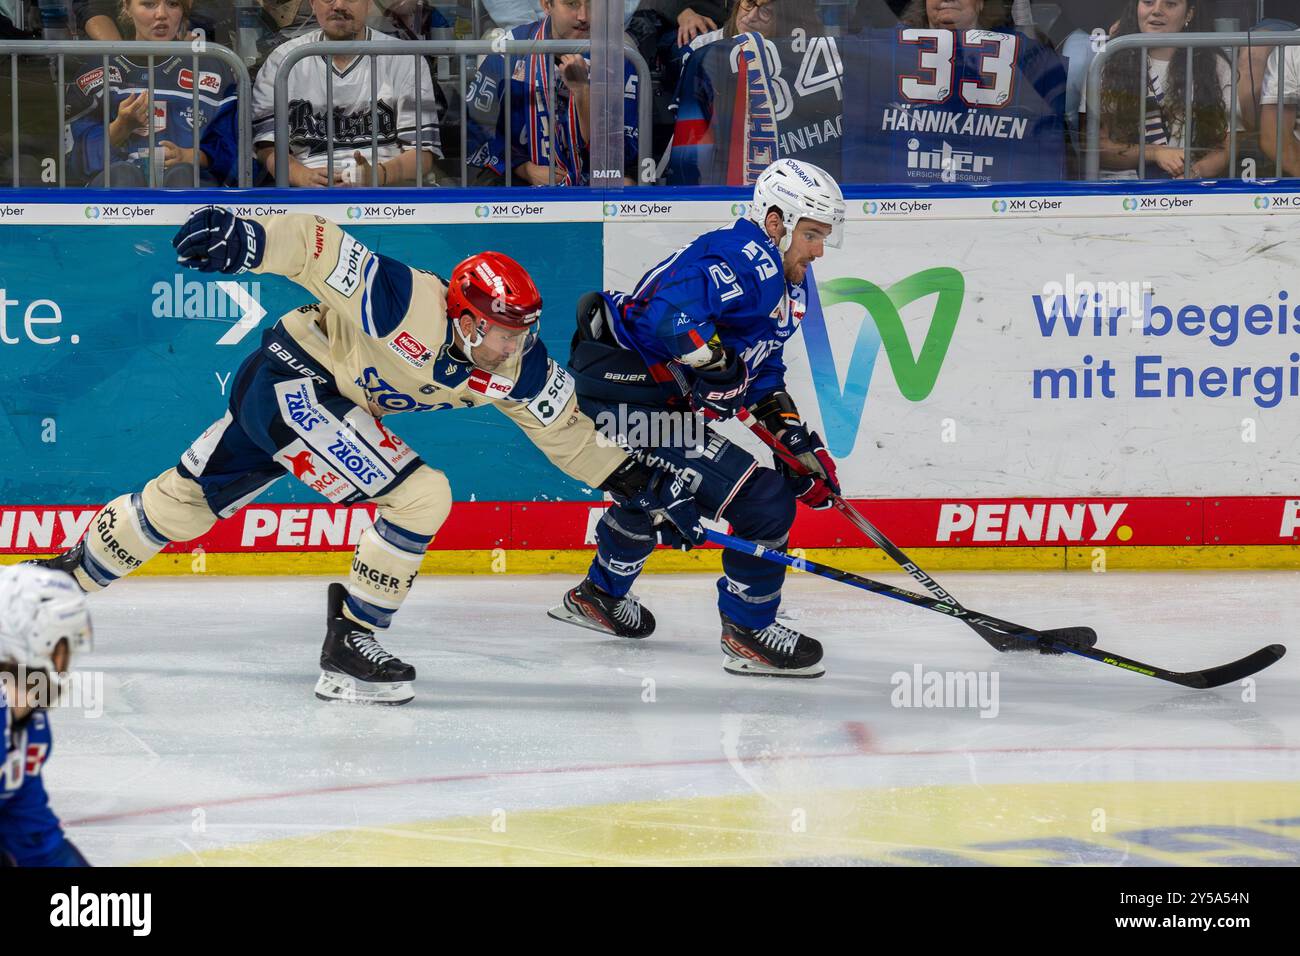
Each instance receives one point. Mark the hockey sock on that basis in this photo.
(384, 567)
(120, 539)
(624, 540)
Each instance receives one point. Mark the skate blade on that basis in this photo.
(562, 613)
(734, 665)
(340, 687)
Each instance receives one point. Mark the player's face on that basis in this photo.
(341, 19)
(157, 20)
(755, 16)
(570, 19)
(499, 344)
(954, 14)
(807, 246)
(1163, 16)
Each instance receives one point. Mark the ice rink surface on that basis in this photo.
(532, 741)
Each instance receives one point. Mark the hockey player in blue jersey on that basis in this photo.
(43, 622)
(703, 333)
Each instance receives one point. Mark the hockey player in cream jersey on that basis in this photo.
(381, 338)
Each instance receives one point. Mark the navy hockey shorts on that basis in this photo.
(285, 416)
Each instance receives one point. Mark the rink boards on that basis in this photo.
(1007, 379)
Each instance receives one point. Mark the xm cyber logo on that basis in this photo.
(356, 212)
(483, 212)
(1262, 202)
(999, 205)
(1130, 204)
(611, 210)
(916, 375)
(740, 209)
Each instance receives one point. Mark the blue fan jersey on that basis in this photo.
(29, 831)
(727, 287)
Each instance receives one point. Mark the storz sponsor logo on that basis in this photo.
(896, 207)
(302, 410)
(355, 462)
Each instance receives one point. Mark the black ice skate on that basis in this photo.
(68, 562)
(589, 606)
(773, 651)
(354, 667)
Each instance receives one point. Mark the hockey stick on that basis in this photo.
(1087, 634)
(1063, 639)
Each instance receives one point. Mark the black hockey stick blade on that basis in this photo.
(1201, 680)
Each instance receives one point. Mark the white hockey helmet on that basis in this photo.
(38, 608)
(800, 191)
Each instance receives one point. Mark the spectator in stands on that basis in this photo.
(407, 144)
(771, 18)
(101, 20)
(1163, 89)
(956, 14)
(1257, 88)
(173, 119)
(690, 18)
(1281, 93)
(542, 145)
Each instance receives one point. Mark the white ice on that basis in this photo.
(535, 741)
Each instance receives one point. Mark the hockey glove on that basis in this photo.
(814, 490)
(720, 387)
(216, 240)
(663, 496)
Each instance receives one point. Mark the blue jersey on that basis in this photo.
(973, 106)
(536, 118)
(174, 119)
(727, 287)
(29, 831)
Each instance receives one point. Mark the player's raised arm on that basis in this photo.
(372, 290)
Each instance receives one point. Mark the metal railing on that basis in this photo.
(81, 49)
(1190, 41)
(458, 48)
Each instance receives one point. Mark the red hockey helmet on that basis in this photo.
(504, 305)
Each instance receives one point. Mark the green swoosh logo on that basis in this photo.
(842, 408)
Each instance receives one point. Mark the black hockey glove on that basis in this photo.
(216, 240)
(720, 388)
(662, 495)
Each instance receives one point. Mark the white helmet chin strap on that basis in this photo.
(468, 345)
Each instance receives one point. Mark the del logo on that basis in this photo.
(485, 383)
(411, 349)
(207, 81)
(1011, 522)
(881, 324)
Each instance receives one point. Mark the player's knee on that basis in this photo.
(175, 506)
(420, 504)
(764, 509)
